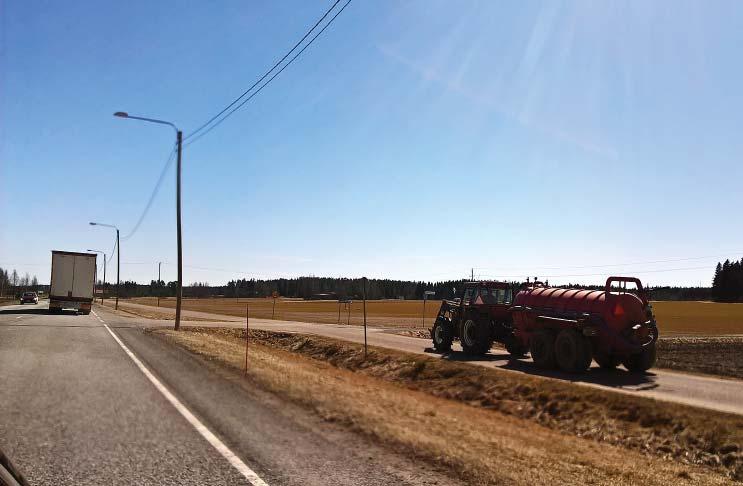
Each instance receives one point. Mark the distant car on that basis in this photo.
(29, 297)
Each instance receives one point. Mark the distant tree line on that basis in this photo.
(344, 288)
(350, 288)
(301, 287)
(727, 284)
(13, 284)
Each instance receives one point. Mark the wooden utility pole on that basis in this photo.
(179, 287)
(158, 283)
(363, 282)
(118, 268)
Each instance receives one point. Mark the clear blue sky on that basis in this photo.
(414, 139)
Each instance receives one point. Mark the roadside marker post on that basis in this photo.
(273, 309)
(425, 298)
(339, 310)
(363, 281)
(247, 335)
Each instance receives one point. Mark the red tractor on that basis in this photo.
(478, 317)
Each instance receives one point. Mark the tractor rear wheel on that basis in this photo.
(542, 348)
(572, 351)
(641, 362)
(442, 335)
(475, 337)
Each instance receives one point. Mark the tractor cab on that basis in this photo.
(479, 317)
(492, 297)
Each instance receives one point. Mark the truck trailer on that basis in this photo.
(72, 281)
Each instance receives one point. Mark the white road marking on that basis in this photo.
(207, 434)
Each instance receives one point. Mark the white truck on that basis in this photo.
(72, 282)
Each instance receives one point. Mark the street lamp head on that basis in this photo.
(92, 223)
(122, 114)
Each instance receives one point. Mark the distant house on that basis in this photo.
(324, 296)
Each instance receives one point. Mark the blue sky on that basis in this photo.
(417, 139)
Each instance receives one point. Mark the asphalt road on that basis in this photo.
(722, 394)
(75, 408)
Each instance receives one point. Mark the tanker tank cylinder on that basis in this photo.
(619, 324)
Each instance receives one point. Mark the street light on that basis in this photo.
(179, 141)
(103, 293)
(118, 257)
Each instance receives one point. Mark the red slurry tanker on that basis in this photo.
(559, 327)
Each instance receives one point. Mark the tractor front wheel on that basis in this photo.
(542, 349)
(442, 335)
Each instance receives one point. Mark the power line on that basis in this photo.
(673, 260)
(111, 255)
(264, 75)
(154, 193)
(218, 122)
(598, 274)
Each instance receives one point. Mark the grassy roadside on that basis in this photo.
(713, 355)
(486, 426)
(8, 301)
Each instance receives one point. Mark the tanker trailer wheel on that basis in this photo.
(514, 347)
(475, 337)
(572, 351)
(641, 362)
(542, 348)
(606, 361)
(442, 335)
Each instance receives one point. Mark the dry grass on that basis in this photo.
(8, 301)
(674, 318)
(489, 427)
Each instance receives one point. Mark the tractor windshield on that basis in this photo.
(494, 296)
